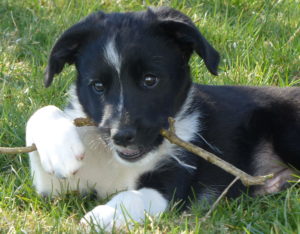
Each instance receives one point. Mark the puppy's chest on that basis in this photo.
(104, 177)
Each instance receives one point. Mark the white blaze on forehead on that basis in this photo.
(114, 59)
(112, 56)
(121, 100)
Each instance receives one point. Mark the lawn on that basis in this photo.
(259, 45)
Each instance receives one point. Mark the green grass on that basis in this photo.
(252, 37)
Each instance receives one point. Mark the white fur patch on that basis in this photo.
(187, 126)
(49, 120)
(60, 151)
(114, 59)
(112, 56)
(125, 208)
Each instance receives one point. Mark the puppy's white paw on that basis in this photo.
(124, 209)
(106, 218)
(57, 140)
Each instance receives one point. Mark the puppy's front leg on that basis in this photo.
(126, 207)
(59, 148)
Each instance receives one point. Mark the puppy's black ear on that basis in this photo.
(181, 29)
(67, 46)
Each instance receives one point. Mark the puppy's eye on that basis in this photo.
(150, 81)
(98, 87)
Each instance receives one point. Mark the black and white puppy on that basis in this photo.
(133, 73)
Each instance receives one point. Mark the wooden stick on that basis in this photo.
(173, 138)
(17, 150)
(244, 177)
(81, 122)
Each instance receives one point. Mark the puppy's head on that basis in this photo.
(133, 72)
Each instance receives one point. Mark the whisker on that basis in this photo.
(183, 164)
(214, 148)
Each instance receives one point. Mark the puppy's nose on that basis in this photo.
(124, 136)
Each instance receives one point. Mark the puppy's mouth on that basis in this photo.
(131, 154)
